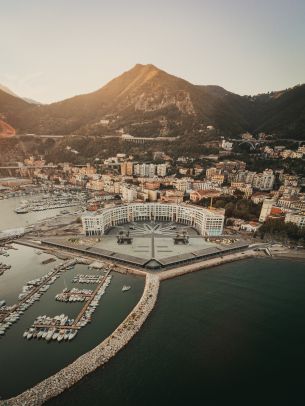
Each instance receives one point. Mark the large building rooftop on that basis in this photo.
(152, 245)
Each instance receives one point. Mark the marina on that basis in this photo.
(52, 201)
(61, 327)
(13, 220)
(31, 292)
(73, 295)
(47, 359)
(34, 289)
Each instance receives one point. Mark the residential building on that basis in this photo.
(198, 195)
(264, 181)
(297, 218)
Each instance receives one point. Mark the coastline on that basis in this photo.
(210, 263)
(288, 253)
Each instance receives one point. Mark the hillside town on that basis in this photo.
(269, 203)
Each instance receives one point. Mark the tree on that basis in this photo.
(276, 228)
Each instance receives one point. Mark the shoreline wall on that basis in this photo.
(98, 356)
(173, 273)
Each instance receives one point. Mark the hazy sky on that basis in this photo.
(54, 49)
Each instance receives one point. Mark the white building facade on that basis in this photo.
(264, 181)
(206, 222)
(266, 209)
(297, 218)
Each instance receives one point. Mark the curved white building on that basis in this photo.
(205, 221)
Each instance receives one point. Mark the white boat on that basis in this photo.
(55, 335)
(50, 334)
(72, 335)
(21, 210)
(39, 334)
(125, 288)
(29, 335)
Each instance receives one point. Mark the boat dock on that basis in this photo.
(34, 290)
(87, 304)
(76, 323)
(15, 307)
(46, 327)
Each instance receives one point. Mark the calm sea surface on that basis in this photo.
(232, 335)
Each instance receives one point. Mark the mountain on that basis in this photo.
(282, 112)
(147, 101)
(13, 109)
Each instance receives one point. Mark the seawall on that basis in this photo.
(198, 266)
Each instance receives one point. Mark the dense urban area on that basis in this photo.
(260, 188)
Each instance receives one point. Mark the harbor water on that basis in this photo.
(9, 219)
(231, 335)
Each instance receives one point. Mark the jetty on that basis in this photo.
(87, 304)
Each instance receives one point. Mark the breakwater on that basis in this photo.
(100, 355)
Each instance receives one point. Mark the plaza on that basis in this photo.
(149, 245)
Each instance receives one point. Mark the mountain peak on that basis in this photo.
(145, 66)
(147, 69)
(130, 80)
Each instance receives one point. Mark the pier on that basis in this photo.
(75, 325)
(87, 304)
(5, 313)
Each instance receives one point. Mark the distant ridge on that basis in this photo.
(10, 92)
(7, 90)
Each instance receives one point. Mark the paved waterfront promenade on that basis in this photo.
(100, 355)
